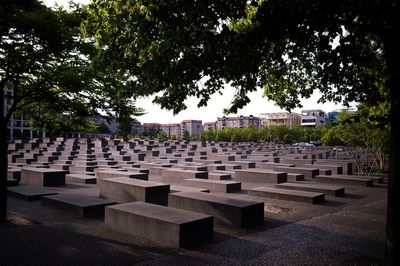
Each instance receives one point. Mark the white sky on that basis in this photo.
(216, 104)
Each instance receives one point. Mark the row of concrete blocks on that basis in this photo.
(51, 177)
(188, 219)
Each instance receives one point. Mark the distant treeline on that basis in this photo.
(275, 133)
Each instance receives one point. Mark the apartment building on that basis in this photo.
(193, 127)
(209, 126)
(313, 118)
(171, 129)
(280, 118)
(238, 122)
(137, 128)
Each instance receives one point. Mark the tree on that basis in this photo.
(186, 135)
(42, 117)
(161, 135)
(356, 130)
(345, 49)
(48, 65)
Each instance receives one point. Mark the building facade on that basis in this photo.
(209, 126)
(171, 130)
(193, 127)
(281, 118)
(333, 118)
(137, 128)
(238, 122)
(150, 129)
(18, 126)
(313, 118)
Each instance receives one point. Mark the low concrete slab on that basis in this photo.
(226, 210)
(14, 173)
(174, 189)
(232, 167)
(176, 174)
(106, 162)
(346, 165)
(246, 164)
(338, 179)
(29, 192)
(11, 182)
(217, 175)
(213, 185)
(200, 168)
(270, 165)
(324, 171)
(60, 166)
(80, 178)
(82, 205)
(215, 166)
(82, 168)
(307, 172)
(377, 179)
(42, 176)
(335, 169)
(100, 175)
(286, 194)
(295, 177)
(122, 189)
(326, 189)
(164, 225)
(260, 176)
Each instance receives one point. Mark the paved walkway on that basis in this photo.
(346, 230)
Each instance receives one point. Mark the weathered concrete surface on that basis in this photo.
(213, 185)
(82, 205)
(226, 210)
(326, 189)
(122, 189)
(261, 176)
(168, 226)
(287, 194)
(348, 230)
(351, 181)
(42, 176)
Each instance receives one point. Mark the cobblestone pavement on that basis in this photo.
(346, 230)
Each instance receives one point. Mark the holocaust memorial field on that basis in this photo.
(162, 202)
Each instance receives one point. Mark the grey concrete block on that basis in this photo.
(213, 185)
(29, 192)
(326, 189)
(286, 194)
(226, 210)
(260, 176)
(164, 225)
(42, 176)
(85, 206)
(80, 178)
(338, 179)
(174, 189)
(176, 174)
(122, 189)
(307, 172)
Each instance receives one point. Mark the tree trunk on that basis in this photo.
(393, 221)
(3, 159)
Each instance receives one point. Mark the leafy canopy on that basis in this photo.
(191, 48)
(50, 67)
